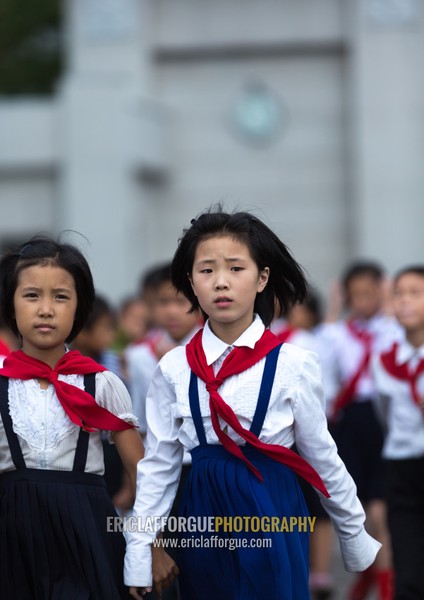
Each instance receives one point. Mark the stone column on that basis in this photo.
(101, 100)
(386, 98)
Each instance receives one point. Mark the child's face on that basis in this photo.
(408, 301)
(300, 317)
(134, 320)
(101, 335)
(45, 303)
(171, 312)
(364, 296)
(226, 279)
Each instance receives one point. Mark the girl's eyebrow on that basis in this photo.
(207, 261)
(30, 288)
(235, 259)
(33, 288)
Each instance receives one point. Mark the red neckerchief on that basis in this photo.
(286, 334)
(79, 405)
(4, 348)
(240, 359)
(402, 372)
(152, 341)
(347, 393)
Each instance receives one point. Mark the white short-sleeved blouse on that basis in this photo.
(46, 435)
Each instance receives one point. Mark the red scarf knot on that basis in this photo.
(53, 377)
(240, 359)
(81, 407)
(213, 386)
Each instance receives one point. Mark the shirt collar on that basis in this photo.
(406, 352)
(371, 324)
(215, 347)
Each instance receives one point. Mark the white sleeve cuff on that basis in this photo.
(138, 566)
(359, 551)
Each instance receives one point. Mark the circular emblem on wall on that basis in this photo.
(258, 115)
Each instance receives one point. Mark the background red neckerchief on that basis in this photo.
(347, 393)
(388, 360)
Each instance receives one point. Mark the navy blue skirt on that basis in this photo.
(246, 564)
(54, 543)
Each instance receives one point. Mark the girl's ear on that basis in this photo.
(263, 279)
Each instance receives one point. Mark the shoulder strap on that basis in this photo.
(81, 451)
(262, 404)
(265, 390)
(193, 393)
(12, 438)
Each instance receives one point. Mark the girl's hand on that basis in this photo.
(164, 570)
(139, 593)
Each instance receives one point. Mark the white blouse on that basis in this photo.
(295, 415)
(141, 362)
(46, 435)
(403, 418)
(348, 352)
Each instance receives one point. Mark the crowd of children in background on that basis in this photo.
(369, 336)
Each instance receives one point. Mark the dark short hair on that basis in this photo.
(43, 250)
(410, 269)
(286, 283)
(362, 268)
(154, 277)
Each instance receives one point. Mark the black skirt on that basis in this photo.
(54, 539)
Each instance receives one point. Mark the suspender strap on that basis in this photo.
(265, 390)
(195, 410)
(81, 451)
(12, 438)
(261, 407)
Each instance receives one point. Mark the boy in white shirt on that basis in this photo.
(357, 431)
(399, 376)
(173, 325)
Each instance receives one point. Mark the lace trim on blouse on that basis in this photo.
(39, 418)
(37, 415)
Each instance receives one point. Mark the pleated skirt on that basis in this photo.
(54, 539)
(243, 564)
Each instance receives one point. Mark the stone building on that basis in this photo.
(309, 112)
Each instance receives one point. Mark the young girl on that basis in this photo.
(366, 330)
(54, 507)
(399, 376)
(239, 399)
